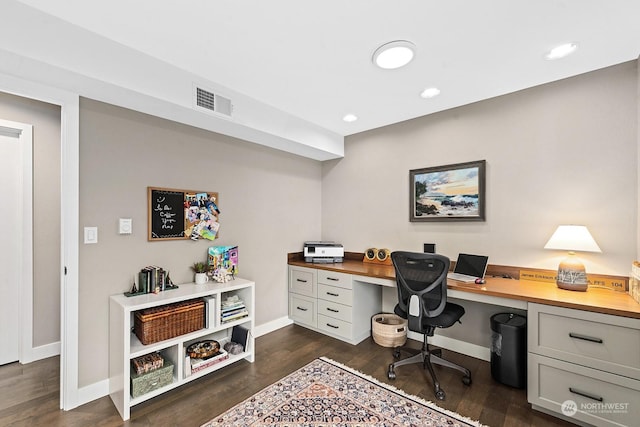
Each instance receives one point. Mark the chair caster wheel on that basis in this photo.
(391, 373)
(466, 380)
(440, 395)
(396, 354)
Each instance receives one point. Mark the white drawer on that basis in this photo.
(302, 281)
(302, 309)
(606, 342)
(334, 326)
(334, 279)
(335, 294)
(601, 398)
(335, 310)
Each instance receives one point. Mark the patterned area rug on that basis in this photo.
(326, 393)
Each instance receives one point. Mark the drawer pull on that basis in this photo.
(585, 394)
(332, 278)
(302, 309)
(585, 338)
(333, 326)
(332, 294)
(301, 280)
(333, 310)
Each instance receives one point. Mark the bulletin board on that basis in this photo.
(174, 214)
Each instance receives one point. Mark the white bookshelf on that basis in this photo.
(124, 345)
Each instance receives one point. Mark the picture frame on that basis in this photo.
(174, 214)
(453, 192)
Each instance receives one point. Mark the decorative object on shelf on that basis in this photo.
(377, 256)
(151, 279)
(448, 193)
(223, 257)
(221, 275)
(571, 272)
(182, 214)
(634, 281)
(146, 382)
(148, 362)
(203, 349)
(200, 269)
(168, 321)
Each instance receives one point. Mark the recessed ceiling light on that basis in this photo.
(430, 92)
(350, 118)
(394, 54)
(561, 51)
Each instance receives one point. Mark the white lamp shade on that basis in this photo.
(572, 238)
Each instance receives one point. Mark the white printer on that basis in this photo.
(323, 252)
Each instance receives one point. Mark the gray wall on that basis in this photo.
(561, 153)
(270, 203)
(45, 119)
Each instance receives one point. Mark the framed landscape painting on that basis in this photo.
(448, 193)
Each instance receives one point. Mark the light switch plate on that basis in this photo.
(90, 235)
(125, 226)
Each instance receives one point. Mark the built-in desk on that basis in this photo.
(499, 291)
(582, 347)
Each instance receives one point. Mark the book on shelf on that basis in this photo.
(240, 315)
(210, 311)
(200, 364)
(240, 335)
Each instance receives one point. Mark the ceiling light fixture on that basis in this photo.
(350, 118)
(394, 54)
(430, 92)
(561, 51)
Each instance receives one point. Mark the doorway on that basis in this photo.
(16, 244)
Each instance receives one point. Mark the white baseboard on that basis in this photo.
(41, 352)
(473, 350)
(271, 326)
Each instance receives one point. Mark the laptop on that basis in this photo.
(469, 268)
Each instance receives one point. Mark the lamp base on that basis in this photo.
(572, 275)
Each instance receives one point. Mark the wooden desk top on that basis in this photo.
(595, 299)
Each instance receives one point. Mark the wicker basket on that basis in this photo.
(168, 321)
(389, 330)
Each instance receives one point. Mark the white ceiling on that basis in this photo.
(312, 59)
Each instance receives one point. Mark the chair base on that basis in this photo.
(428, 358)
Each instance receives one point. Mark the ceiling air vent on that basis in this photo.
(213, 102)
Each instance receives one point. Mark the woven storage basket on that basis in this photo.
(167, 321)
(389, 330)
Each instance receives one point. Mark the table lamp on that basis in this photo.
(571, 271)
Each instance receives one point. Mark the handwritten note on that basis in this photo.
(166, 214)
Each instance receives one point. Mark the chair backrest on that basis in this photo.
(422, 285)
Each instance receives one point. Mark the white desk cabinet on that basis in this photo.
(332, 303)
(588, 358)
(124, 345)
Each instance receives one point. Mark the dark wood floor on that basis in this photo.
(29, 393)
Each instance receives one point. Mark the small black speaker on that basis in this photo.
(429, 248)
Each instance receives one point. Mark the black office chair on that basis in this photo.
(422, 300)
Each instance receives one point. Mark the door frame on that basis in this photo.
(69, 223)
(23, 132)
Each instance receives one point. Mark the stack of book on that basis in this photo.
(634, 281)
(196, 365)
(232, 308)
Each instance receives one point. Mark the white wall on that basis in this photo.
(270, 203)
(560, 153)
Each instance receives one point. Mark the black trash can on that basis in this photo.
(509, 349)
